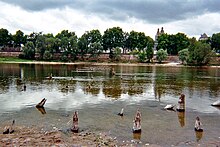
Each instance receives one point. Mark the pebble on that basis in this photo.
(5, 139)
(27, 140)
(55, 128)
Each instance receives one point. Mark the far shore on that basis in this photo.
(166, 64)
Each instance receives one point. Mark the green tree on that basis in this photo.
(125, 46)
(138, 40)
(73, 47)
(51, 47)
(40, 42)
(149, 49)
(215, 42)
(65, 33)
(173, 43)
(112, 38)
(68, 44)
(183, 55)
(163, 42)
(50, 44)
(132, 41)
(140, 45)
(83, 46)
(47, 55)
(149, 54)
(142, 41)
(199, 53)
(5, 38)
(94, 36)
(144, 55)
(161, 55)
(19, 38)
(95, 49)
(117, 53)
(178, 42)
(86, 40)
(33, 37)
(141, 55)
(46, 43)
(29, 50)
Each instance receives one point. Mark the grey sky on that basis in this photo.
(155, 12)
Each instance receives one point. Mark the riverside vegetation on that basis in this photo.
(68, 47)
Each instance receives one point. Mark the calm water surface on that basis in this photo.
(98, 97)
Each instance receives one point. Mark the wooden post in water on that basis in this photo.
(75, 127)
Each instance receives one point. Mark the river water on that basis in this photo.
(98, 97)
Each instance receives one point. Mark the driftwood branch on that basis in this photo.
(41, 104)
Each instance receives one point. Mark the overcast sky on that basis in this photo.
(192, 17)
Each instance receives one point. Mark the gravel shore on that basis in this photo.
(26, 136)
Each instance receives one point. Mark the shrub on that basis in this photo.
(161, 55)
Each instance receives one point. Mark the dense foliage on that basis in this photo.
(173, 43)
(200, 53)
(161, 55)
(114, 42)
(183, 55)
(215, 42)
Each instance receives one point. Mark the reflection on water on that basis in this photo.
(41, 109)
(149, 83)
(198, 135)
(137, 136)
(99, 96)
(181, 118)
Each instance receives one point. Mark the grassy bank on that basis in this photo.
(169, 62)
(13, 59)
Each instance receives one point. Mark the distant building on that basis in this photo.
(156, 37)
(159, 33)
(203, 37)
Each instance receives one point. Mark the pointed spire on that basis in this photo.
(158, 32)
(162, 31)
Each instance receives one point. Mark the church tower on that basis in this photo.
(156, 37)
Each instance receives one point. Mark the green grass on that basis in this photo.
(13, 59)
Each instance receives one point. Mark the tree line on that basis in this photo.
(114, 41)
